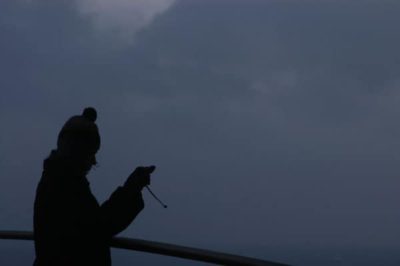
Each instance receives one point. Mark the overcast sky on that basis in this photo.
(272, 123)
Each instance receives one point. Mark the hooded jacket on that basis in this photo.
(70, 226)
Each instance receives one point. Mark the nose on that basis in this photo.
(94, 161)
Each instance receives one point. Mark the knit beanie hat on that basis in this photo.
(80, 135)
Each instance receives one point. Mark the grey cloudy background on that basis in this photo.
(274, 124)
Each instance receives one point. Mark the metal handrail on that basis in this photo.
(164, 249)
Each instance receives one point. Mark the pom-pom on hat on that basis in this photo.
(90, 114)
(80, 135)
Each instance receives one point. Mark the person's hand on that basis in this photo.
(140, 177)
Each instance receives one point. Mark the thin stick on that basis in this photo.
(151, 192)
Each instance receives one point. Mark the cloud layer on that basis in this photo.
(122, 18)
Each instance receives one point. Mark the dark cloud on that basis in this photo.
(272, 123)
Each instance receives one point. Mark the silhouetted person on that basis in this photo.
(70, 227)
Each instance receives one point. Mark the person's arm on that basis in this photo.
(125, 203)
